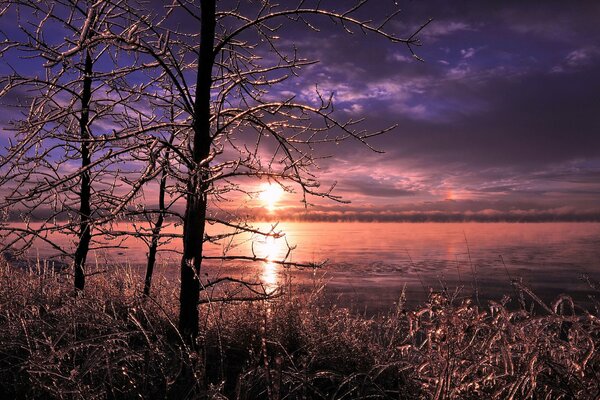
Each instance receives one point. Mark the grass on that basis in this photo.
(113, 343)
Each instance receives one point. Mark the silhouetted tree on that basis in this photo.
(66, 171)
(238, 129)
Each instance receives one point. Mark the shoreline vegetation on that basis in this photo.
(369, 217)
(112, 342)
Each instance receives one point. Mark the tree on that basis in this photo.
(235, 57)
(155, 219)
(61, 172)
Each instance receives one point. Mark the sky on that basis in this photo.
(499, 121)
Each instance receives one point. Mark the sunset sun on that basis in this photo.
(270, 194)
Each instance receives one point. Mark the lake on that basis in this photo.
(368, 264)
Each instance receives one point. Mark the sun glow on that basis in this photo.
(270, 194)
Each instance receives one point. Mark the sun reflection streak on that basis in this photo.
(269, 277)
(272, 249)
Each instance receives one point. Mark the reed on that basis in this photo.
(113, 342)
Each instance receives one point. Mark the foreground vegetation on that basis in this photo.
(114, 343)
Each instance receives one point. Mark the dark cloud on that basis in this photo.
(378, 188)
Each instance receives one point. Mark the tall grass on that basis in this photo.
(114, 343)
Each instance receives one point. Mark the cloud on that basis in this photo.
(460, 71)
(468, 53)
(400, 57)
(553, 21)
(580, 57)
(377, 187)
(577, 59)
(441, 28)
(355, 109)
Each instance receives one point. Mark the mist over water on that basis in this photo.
(368, 264)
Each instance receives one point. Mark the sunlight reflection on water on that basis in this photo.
(273, 249)
(270, 277)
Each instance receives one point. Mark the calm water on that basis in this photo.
(370, 263)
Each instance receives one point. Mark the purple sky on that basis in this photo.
(502, 118)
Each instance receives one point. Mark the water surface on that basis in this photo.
(368, 264)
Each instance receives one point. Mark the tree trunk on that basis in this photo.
(85, 234)
(196, 200)
(157, 228)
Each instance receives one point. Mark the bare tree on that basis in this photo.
(61, 175)
(237, 132)
(155, 219)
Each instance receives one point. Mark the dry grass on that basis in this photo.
(111, 343)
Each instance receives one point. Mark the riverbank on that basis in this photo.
(113, 343)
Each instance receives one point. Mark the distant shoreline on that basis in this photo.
(440, 221)
(415, 220)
